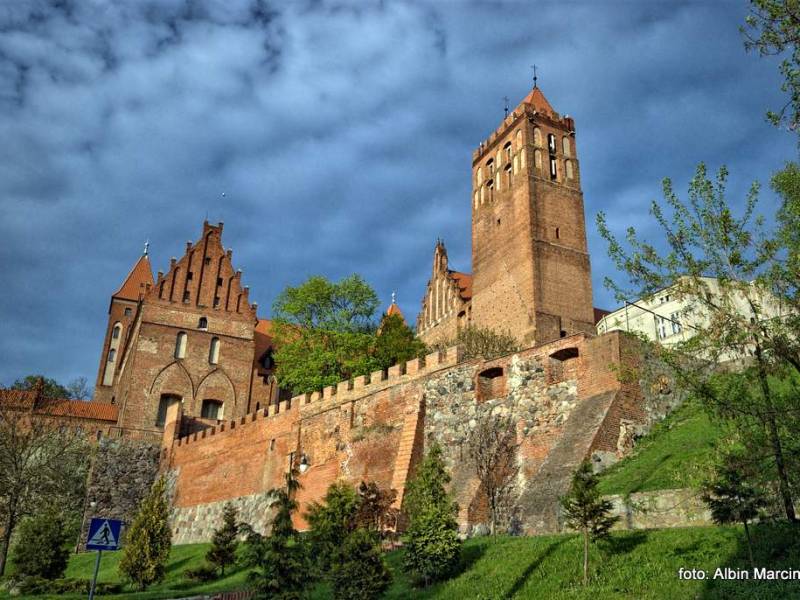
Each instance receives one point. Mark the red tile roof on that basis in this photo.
(136, 282)
(539, 102)
(59, 407)
(464, 282)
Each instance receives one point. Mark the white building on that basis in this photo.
(668, 317)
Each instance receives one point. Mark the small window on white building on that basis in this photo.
(213, 351)
(661, 327)
(676, 322)
(180, 345)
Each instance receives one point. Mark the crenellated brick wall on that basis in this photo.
(565, 396)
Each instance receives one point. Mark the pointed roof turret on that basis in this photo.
(536, 99)
(138, 280)
(394, 309)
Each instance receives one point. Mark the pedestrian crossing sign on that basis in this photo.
(103, 534)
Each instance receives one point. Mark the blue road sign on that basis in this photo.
(103, 534)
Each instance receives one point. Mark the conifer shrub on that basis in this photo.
(42, 546)
(147, 543)
(586, 511)
(224, 541)
(359, 573)
(432, 547)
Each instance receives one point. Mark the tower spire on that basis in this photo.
(535, 78)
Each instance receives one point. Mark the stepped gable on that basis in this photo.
(204, 278)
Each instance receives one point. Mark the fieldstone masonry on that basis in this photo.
(122, 473)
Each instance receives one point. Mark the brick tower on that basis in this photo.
(125, 305)
(531, 273)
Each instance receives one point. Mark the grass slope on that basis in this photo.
(674, 454)
(643, 565)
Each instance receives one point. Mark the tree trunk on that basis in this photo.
(775, 441)
(749, 544)
(6, 542)
(585, 557)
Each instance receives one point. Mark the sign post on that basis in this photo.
(103, 535)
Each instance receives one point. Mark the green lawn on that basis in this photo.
(674, 454)
(642, 565)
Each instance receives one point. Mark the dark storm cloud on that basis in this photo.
(341, 134)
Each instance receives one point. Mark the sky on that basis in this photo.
(340, 133)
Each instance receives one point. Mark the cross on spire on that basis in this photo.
(146, 247)
(505, 100)
(535, 78)
(394, 297)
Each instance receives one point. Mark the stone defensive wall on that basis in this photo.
(565, 396)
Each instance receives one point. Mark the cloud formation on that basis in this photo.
(341, 134)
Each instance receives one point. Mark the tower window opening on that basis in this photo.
(216, 301)
(116, 331)
(509, 175)
(213, 351)
(189, 275)
(553, 169)
(568, 168)
(490, 184)
(180, 344)
(128, 311)
(219, 281)
(112, 355)
(551, 143)
(490, 164)
(558, 236)
(186, 296)
(207, 260)
(202, 323)
(507, 149)
(164, 403)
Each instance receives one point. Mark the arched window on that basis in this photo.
(202, 323)
(537, 159)
(211, 409)
(180, 345)
(116, 331)
(565, 146)
(553, 169)
(490, 166)
(112, 355)
(507, 149)
(516, 165)
(213, 351)
(551, 143)
(537, 136)
(509, 175)
(568, 168)
(519, 138)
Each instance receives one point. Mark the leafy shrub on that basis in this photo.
(34, 585)
(41, 549)
(202, 574)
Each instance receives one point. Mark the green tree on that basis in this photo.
(324, 332)
(772, 28)
(147, 543)
(432, 547)
(331, 522)
(42, 466)
(50, 388)
(586, 511)
(359, 573)
(704, 238)
(731, 496)
(224, 541)
(375, 510)
(280, 558)
(396, 343)
(42, 546)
